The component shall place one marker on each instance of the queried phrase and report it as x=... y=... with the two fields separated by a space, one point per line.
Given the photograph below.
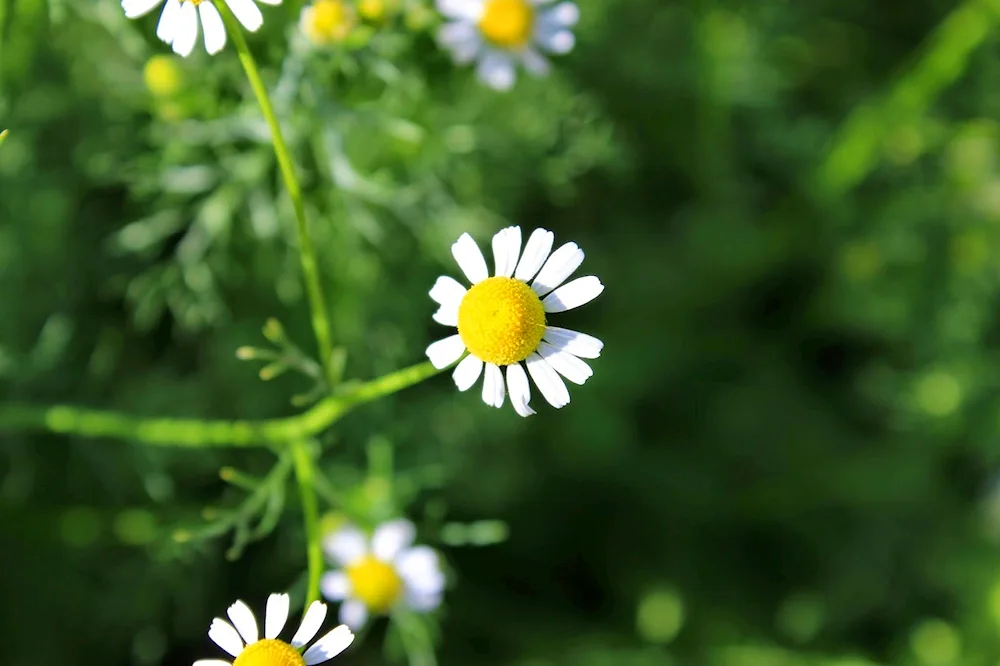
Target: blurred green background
x=786 y=455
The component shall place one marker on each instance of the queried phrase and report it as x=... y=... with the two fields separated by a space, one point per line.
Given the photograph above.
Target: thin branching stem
x=307 y=252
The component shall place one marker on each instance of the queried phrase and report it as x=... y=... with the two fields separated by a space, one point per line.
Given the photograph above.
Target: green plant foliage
x=787 y=455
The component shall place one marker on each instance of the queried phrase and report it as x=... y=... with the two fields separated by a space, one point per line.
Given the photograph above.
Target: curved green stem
x=307 y=253
x=305 y=474
x=197 y=433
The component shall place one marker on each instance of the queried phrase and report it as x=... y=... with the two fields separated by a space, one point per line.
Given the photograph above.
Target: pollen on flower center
x=507 y=23
x=269 y=652
x=501 y=320
x=375 y=583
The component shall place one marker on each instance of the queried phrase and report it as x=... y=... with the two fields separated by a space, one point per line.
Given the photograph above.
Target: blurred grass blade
x=854 y=151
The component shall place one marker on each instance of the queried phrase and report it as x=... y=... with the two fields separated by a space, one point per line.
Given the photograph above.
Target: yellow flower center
x=327 y=21
x=375 y=583
x=507 y=23
x=501 y=320
x=372 y=10
x=269 y=652
x=162 y=75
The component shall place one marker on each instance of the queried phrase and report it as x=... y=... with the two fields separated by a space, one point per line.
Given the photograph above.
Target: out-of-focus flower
x=162 y=75
x=376 y=11
x=500 y=33
x=242 y=641
x=502 y=322
x=381 y=573
x=327 y=22
x=178 y=25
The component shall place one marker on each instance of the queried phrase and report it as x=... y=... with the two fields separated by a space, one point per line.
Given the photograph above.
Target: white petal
x=447 y=315
x=273 y=3
x=244 y=621
x=462 y=39
x=565 y=14
x=467 y=372
x=390 y=538
x=560 y=266
x=329 y=646
x=565 y=364
x=225 y=636
x=423 y=602
x=506 y=250
x=136 y=8
x=470 y=10
x=346 y=546
x=520 y=392
x=186 y=32
x=573 y=294
x=445 y=352
x=574 y=342
x=559 y=41
x=447 y=290
x=548 y=381
x=535 y=62
x=311 y=623
x=535 y=253
x=275 y=615
x=335 y=585
x=353 y=613
x=215 y=30
x=247 y=13
x=420 y=570
x=167 y=27
x=496 y=70
x=470 y=259
x=212 y=662
x=493 y=386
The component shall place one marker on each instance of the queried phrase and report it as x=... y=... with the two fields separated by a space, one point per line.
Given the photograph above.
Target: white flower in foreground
x=501 y=320
x=178 y=24
x=240 y=639
x=500 y=33
x=381 y=573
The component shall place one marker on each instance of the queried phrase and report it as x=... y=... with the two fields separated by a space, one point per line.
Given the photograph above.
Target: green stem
x=855 y=149
x=305 y=475
x=307 y=253
x=196 y=433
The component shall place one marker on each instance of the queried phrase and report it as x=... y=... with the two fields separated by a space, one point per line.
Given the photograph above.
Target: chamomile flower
x=241 y=639
x=500 y=33
x=502 y=320
x=381 y=573
x=327 y=22
x=178 y=24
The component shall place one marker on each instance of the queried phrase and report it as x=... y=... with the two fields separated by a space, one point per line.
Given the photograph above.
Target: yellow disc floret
x=375 y=583
x=327 y=22
x=269 y=652
x=507 y=23
x=163 y=76
x=501 y=320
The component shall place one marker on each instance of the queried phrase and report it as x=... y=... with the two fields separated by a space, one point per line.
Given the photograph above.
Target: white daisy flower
x=501 y=320
x=178 y=24
x=381 y=573
x=241 y=640
x=500 y=33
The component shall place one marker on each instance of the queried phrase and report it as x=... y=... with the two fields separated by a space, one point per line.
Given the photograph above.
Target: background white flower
x=501 y=320
x=178 y=25
x=380 y=573
x=500 y=33
x=241 y=638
